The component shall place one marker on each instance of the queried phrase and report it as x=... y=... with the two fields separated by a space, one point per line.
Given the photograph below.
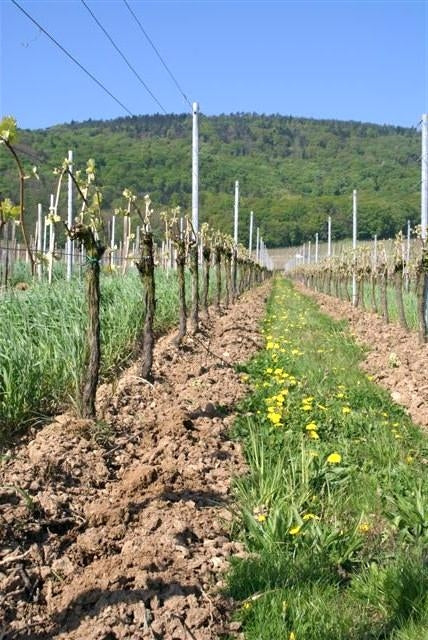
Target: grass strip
x=334 y=508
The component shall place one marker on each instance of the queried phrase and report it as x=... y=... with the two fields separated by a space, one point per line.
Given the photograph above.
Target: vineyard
x=192 y=448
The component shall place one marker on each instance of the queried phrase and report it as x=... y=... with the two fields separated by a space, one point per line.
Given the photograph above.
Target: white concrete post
x=112 y=239
x=69 y=244
x=354 y=247
x=424 y=182
x=51 y=238
x=39 y=240
x=236 y=213
x=195 y=169
x=250 y=242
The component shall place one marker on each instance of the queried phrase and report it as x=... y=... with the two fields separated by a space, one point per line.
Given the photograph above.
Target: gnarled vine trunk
x=218 y=277
x=194 y=270
x=146 y=267
x=182 y=309
x=94 y=253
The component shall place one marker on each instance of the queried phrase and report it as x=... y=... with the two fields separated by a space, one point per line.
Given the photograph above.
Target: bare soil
x=120 y=529
x=394 y=357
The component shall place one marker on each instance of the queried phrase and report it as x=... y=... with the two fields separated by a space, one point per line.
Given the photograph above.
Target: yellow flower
x=409 y=459
x=269 y=345
x=313 y=435
x=275 y=418
x=246 y=605
x=346 y=410
x=261 y=517
x=309 y=516
x=340 y=394
x=364 y=527
x=295 y=530
x=312 y=426
x=334 y=458
x=292 y=636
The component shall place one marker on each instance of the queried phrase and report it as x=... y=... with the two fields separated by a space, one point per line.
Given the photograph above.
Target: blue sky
x=347 y=60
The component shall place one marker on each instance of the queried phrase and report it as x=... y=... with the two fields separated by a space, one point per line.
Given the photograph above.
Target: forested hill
x=293 y=172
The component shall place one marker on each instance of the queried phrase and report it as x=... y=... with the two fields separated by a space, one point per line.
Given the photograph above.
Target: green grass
x=336 y=525
x=43 y=332
x=42 y=341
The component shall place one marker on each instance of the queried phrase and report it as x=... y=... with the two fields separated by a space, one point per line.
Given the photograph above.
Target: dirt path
x=395 y=358
x=129 y=539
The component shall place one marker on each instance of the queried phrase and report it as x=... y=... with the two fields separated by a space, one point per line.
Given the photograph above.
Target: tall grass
x=42 y=341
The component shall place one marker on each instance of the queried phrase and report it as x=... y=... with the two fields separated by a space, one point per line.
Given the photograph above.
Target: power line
x=123 y=56
x=173 y=78
x=69 y=55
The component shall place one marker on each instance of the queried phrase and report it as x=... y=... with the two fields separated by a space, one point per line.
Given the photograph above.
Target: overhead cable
x=69 y=55
x=155 y=49
x=124 y=58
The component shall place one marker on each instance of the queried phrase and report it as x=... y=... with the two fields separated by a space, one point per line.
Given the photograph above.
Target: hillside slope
x=293 y=172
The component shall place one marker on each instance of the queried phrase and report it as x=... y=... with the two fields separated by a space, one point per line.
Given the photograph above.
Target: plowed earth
x=120 y=529
x=394 y=358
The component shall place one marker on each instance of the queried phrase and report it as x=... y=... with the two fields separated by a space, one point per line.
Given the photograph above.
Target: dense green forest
x=293 y=172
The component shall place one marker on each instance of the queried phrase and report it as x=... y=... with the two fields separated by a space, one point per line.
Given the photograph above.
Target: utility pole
x=250 y=243
x=424 y=182
x=329 y=237
x=316 y=248
x=195 y=170
x=69 y=245
x=354 y=247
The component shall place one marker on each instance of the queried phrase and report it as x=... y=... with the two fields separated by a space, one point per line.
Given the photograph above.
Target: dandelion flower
x=334 y=458
x=309 y=516
x=364 y=527
x=312 y=426
x=275 y=418
x=261 y=517
x=346 y=410
x=295 y=530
